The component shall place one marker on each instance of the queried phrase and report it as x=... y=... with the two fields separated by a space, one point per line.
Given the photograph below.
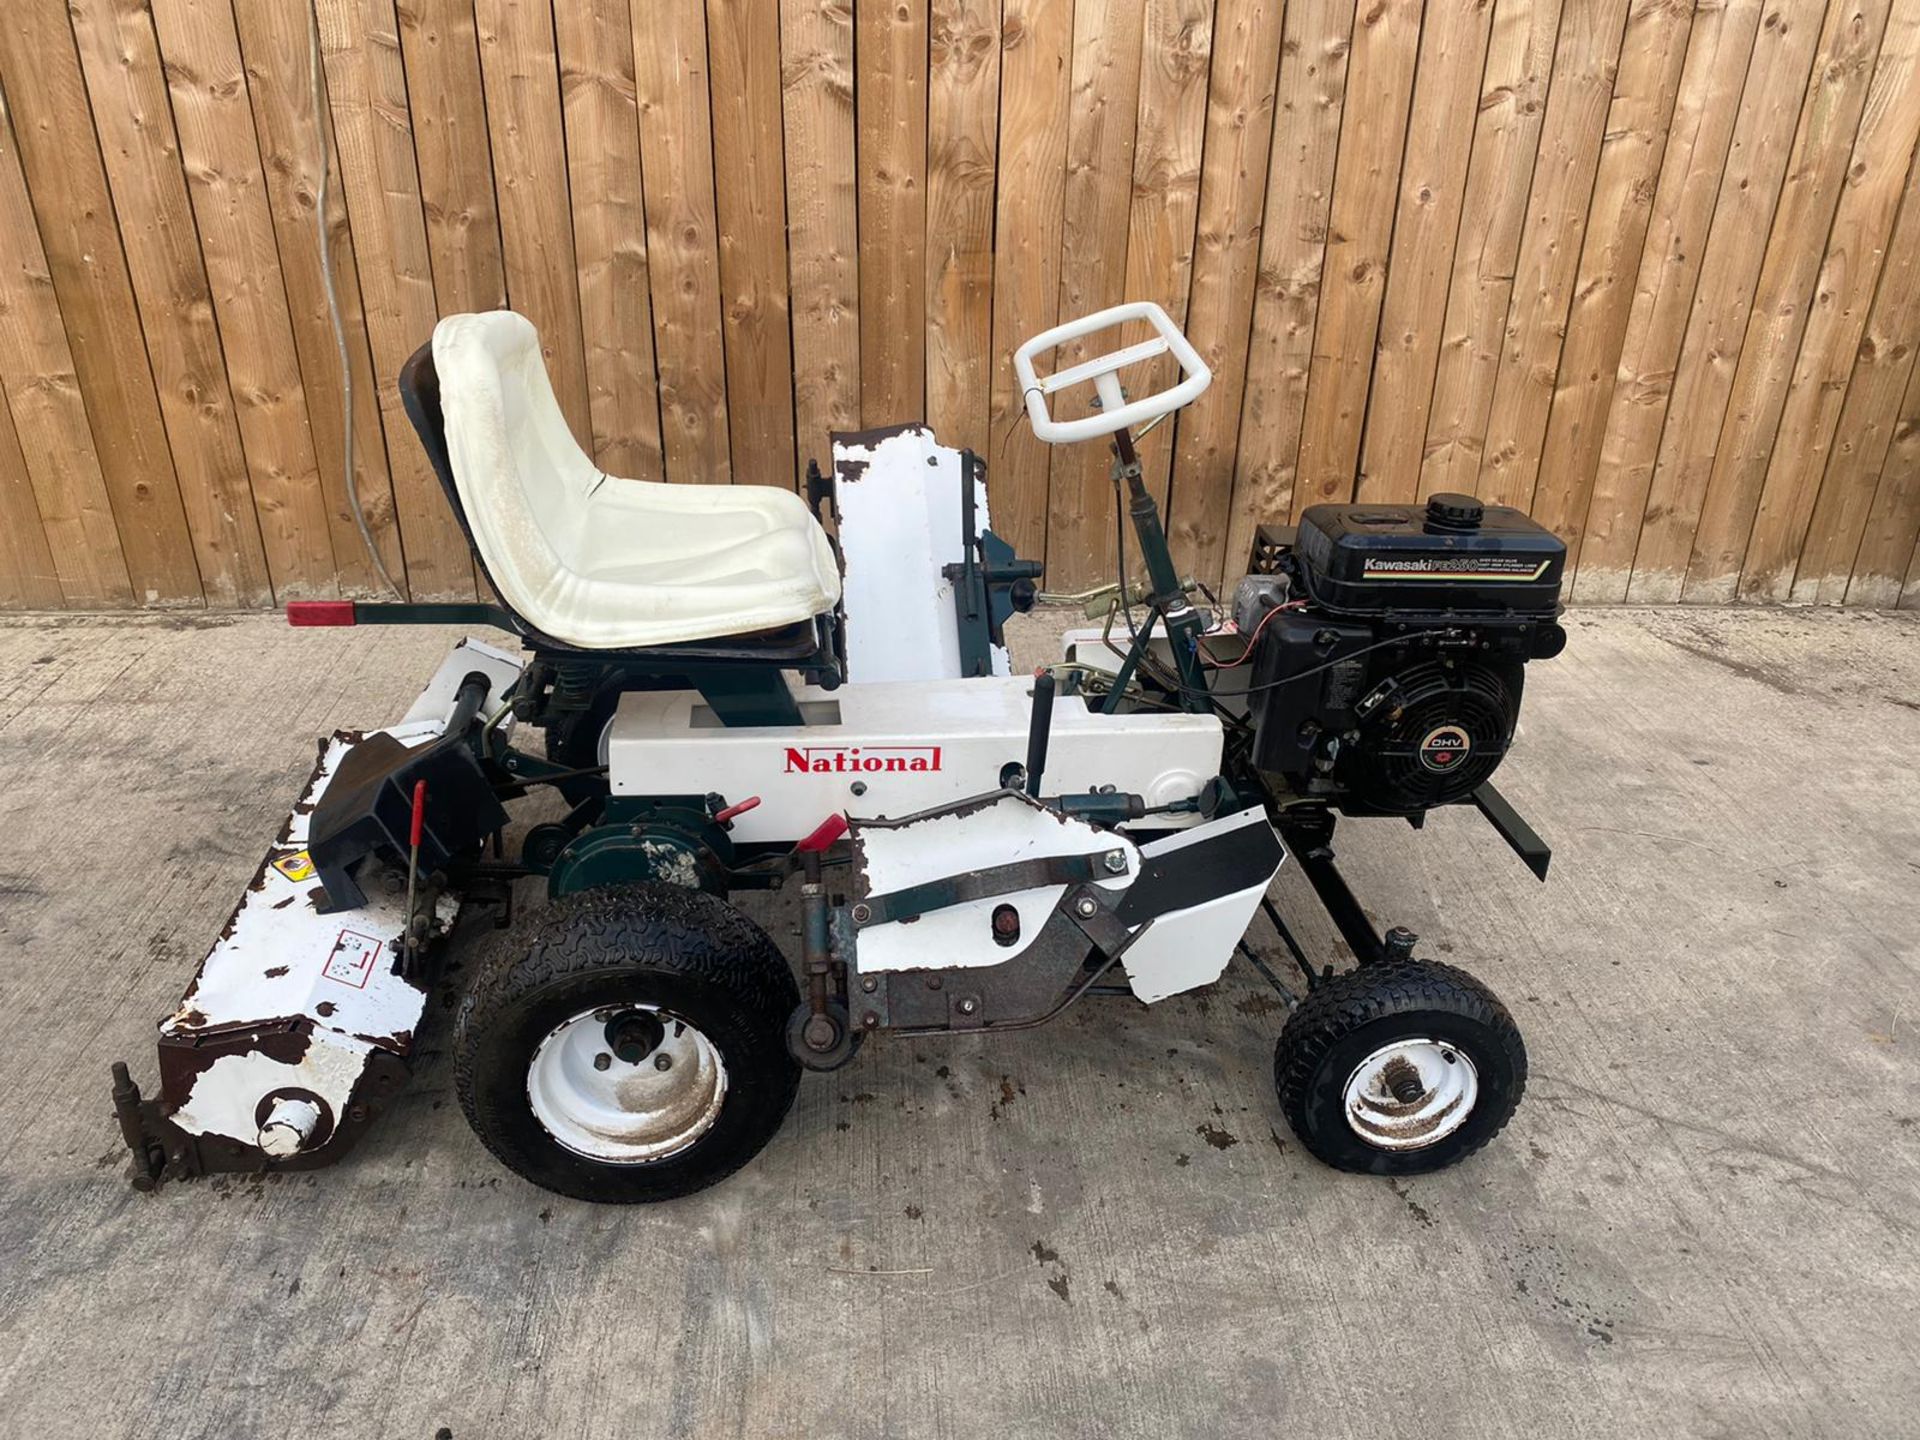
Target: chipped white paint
x=908 y=746
x=289 y=1126
x=227 y=1094
x=280 y=959
x=1177 y=951
x=1004 y=832
x=900 y=508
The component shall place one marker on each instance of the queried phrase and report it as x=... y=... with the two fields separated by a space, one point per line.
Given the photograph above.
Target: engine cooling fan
x=1431 y=734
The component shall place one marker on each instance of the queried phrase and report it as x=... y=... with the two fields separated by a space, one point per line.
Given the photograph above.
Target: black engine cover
x=1452 y=554
x=1391 y=683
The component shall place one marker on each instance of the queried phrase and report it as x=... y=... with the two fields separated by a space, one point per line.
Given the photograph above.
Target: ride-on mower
x=733 y=700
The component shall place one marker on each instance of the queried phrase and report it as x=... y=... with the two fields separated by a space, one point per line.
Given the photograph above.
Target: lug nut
x=663 y=1061
x=602 y=1060
x=869 y=984
x=1116 y=862
x=1086 y=909
x=969 y=1005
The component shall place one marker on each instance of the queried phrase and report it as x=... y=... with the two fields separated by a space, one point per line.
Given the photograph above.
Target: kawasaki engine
x=1390 y=647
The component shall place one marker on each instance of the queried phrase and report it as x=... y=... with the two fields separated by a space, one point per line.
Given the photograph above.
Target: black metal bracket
x=984 y=884
x=1534 y=852
x=1080 y=943
x=989 y=584
x=1308 y=832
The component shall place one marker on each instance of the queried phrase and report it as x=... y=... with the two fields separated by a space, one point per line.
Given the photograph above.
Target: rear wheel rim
x=1411 y=1094
x=619 y=1111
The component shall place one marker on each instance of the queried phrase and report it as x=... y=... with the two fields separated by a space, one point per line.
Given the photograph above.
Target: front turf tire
x=1370 y=1023
x=649 y=950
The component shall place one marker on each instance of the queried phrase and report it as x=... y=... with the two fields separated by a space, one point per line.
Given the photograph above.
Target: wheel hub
x=627 y=1086
x=1411 y=1094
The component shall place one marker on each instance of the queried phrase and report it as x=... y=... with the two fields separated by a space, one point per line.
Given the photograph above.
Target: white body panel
x=1191 y=947
x=1178 y=950
x=908 y=746
x=1003 y=833
x=279 y=959
x=900 y=507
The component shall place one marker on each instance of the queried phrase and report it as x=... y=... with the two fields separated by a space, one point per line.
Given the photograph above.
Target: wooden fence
x=1650 y=268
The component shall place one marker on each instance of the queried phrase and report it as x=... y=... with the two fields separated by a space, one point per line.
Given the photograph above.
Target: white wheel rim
x=1382 y=1108
x=621 y=1112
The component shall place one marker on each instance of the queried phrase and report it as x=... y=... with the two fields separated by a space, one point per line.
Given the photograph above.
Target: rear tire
x=636 y=1052
x=1399 y=1068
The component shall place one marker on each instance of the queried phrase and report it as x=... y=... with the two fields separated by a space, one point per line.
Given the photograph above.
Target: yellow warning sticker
x=297 y=866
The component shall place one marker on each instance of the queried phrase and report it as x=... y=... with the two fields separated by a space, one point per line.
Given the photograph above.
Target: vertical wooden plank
x=122 y=66
x=610 y=233
x=444 y=96
x=1736 y=246
x=1842 y=297
x=274 y=46
x=522 y=72
x=1093 y=269
x=1170 y=131
x=1245 y=74
x=823 y=240
x=1853 y=490
x=1035 y=86
x=1908 y=444
x=59 y=156
x=1585 y=59
x=743 y=46
x=27 y=578
x=1875 y=453
x=1653 y=54
x=1783 y=296
x=890 y=58
x=226 y=182
x=1433 y=177
x=1386 y=43
x=443 y=102
x=1719 y=49
x=1293 y=242
x=63 y=546
x=963 y=136
x=683 y=257
x=1506 y=136
x=366 y=88
x=1883 y=572
x=1892 y=518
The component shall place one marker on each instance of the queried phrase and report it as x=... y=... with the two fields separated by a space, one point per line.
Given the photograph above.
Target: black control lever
x=1039 y=728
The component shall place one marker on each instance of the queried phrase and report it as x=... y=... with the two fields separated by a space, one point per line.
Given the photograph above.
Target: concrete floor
x=1703 y=1220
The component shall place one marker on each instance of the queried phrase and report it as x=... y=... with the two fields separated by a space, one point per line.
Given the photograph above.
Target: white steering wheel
x=1116 y=412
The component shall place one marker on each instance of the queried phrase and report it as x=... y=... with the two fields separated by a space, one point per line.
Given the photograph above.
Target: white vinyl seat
x=591 y=559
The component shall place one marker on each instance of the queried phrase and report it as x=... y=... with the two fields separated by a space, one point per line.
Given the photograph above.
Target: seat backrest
x=520 y=477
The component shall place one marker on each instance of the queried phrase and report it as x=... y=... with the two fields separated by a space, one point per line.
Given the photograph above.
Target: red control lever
x=721 y=817
x=828 y=831
x=419 y=816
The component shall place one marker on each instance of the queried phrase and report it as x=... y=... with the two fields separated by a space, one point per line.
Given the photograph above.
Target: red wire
x=1251 y=639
